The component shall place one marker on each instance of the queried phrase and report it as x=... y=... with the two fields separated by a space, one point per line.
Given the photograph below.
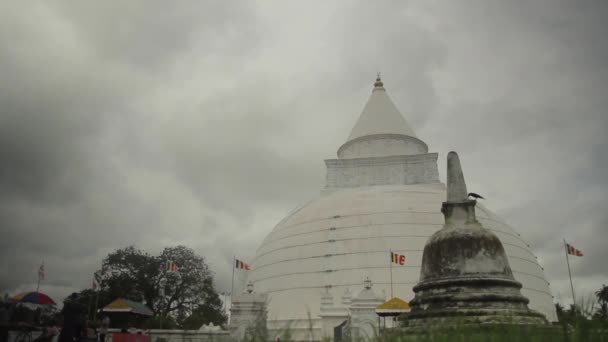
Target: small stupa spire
x=458 y=209
x=457 y=188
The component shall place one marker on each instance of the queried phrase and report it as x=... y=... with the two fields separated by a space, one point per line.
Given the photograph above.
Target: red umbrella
x=34 y=297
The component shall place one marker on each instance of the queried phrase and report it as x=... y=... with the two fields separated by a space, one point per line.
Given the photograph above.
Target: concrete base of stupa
x=472 y=300
x=477 y=318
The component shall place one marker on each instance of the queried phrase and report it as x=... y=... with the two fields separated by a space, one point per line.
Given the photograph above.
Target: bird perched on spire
x=475 y=196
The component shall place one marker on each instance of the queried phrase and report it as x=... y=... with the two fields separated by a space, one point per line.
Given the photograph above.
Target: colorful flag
x=241 y=265
x=172 y=266
x=573 y=251
x=41 y=273
x=398 y=259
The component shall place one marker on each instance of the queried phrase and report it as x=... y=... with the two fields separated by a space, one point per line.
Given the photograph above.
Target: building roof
x=380 y=116
x=125 y=305
x=393 y=307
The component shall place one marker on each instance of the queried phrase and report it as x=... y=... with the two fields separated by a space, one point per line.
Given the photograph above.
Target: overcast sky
x=204 y=123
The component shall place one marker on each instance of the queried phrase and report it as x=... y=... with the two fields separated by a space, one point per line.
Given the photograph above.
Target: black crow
x=474 y=195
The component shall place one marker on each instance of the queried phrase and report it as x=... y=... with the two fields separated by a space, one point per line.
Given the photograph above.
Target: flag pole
x=162 y=283
x=39 y=270
x=391 y=271
x=232 y=283
x=89 y=308
x=232 y=287
x=569 y=273
x=96 y=303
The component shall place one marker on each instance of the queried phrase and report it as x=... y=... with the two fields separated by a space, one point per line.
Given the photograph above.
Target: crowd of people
x=69 y=325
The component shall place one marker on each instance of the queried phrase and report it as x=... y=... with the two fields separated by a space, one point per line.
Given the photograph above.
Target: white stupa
x=382 y=193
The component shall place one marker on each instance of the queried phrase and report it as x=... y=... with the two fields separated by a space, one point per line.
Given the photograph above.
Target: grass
x=473 y=334
x=582 y=331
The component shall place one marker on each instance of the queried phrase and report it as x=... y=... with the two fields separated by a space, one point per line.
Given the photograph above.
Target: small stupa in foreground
x=465 y=275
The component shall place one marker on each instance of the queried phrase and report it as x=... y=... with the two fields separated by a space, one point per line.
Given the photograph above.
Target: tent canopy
x=125 y=305
x=393 y=307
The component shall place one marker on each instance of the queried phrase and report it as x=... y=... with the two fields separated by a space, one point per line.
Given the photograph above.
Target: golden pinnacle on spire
x=378 y=83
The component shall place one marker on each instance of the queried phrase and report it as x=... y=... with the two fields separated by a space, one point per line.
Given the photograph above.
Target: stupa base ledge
x=454 y=318
x=469 y=281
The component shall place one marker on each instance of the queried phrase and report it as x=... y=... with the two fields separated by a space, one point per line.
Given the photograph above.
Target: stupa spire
x=457 y=188
x=378 y=85
x=380 y=116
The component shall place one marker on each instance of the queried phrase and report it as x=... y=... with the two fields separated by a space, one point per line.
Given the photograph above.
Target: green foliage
x=582 y=331
x=602 y=311
x=602 y=294
x=186 y=299
x=259 y=333
x=132 y=274
x=86 y=299
x=602 y=298
x=168 y=322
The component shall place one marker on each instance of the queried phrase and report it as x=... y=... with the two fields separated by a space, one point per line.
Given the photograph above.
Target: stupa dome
x=373 y=203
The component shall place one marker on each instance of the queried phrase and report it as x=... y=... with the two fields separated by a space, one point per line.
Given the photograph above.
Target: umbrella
x=34 y=298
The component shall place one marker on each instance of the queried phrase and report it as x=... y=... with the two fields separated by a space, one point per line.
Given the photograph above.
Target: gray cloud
x=204 y=124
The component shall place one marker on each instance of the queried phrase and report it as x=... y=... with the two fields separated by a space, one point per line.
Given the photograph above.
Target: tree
x=191 y=289
x=208 y=312
x=602 y=299
x=86 y=299
x=561 y=312
x=568 y=316
x=187 y=297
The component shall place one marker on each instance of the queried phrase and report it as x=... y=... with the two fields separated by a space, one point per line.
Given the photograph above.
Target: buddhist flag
x=241 y=265
x=398 y=259
x=573 y=251
x=172 y=266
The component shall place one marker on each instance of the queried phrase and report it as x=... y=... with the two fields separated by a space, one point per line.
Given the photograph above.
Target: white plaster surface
x=380 y=116
x=341 y=238
x=382 y=145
